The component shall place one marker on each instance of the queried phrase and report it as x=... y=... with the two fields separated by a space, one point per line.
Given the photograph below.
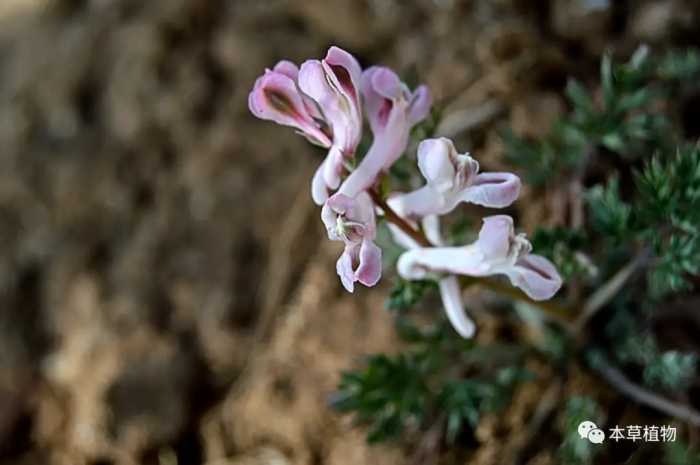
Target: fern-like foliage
x=441 y=378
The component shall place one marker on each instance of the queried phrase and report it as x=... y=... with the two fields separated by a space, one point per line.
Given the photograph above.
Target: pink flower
x=453 y=178
x=353 y=222
x=322 y=101
x=392 y=111
x=497 y=251
x=389 y=102
x=334 y=83
x=276 y=97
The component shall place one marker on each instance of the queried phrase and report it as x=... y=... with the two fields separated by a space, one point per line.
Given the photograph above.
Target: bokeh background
x=166 y=295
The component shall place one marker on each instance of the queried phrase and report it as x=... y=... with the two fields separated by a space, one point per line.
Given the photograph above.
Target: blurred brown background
x=166 y=295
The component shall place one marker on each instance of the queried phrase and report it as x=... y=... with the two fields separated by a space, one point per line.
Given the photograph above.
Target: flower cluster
x=325 y=101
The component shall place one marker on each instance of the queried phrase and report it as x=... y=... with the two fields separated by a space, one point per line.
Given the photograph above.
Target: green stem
x=393 y=217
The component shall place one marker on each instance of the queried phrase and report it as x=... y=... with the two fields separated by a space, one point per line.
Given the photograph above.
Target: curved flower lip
x=377 y=105
x=497 y=251
x=287 y=68
x=386 y=83
x=346 y=71
x=537 y=277
x=369 y=270
x=533 y=274
x=451 y=295
x=452 y=178
x=334 y=84
x=360 y=263
x=420 y=104
x=493 y=190
x=275 y=97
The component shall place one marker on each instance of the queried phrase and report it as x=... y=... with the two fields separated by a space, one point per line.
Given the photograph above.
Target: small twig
x=469 y=118
x=610 y=289
x=428 y=449
x=577 y=217
x=618 y=380
x=548 y=403
x=280 y=262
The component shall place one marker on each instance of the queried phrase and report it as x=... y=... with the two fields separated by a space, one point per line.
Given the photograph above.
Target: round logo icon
x=596 y=436
x=589 y=430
